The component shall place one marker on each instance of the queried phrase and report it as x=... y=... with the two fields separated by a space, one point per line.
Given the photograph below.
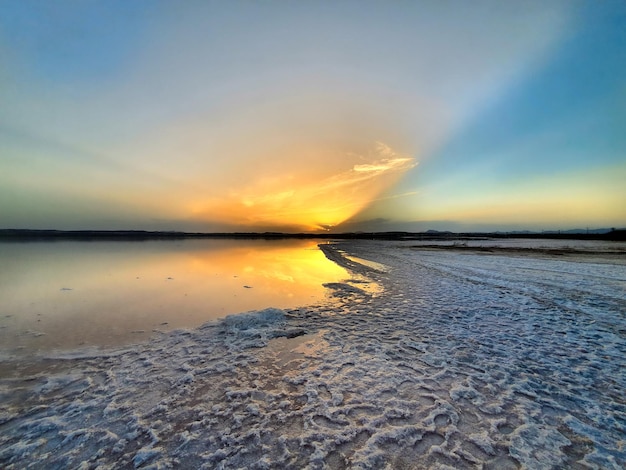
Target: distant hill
x=576 y=231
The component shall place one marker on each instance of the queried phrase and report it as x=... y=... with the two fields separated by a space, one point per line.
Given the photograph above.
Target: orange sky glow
x=308 y=204
x=312 y=116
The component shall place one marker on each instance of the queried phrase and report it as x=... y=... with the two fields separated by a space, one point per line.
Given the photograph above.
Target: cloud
x=309 y=204
x=383 y=165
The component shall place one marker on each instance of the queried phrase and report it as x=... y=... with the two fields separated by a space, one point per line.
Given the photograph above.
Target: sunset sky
x=312 y=115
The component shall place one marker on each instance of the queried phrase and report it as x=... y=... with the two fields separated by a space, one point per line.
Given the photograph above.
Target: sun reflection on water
x=64 y=295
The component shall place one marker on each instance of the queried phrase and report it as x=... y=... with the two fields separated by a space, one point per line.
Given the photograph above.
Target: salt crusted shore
x=464 y=360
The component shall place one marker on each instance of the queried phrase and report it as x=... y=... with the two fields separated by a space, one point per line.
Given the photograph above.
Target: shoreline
x=28 y=235
x=462 y=362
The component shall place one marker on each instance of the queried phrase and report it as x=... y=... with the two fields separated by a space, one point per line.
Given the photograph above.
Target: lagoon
x=68 y=294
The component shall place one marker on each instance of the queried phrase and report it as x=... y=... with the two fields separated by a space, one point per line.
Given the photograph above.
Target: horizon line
x=132 y=234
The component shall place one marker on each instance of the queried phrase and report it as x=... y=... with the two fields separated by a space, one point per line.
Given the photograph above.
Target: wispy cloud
x=383 y=165
x=315 y=203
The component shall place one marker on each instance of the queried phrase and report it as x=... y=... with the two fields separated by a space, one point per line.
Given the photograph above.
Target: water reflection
x=69 y=294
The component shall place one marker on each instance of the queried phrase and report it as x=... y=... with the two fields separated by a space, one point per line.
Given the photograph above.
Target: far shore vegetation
x=139 y=235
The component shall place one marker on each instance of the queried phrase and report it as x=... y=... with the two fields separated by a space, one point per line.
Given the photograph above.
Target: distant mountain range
x=580 y=230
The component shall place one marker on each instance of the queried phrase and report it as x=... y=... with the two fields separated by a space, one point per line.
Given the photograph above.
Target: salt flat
x=443 y=359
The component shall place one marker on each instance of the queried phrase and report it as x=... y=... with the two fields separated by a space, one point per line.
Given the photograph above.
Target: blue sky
x=312 y=115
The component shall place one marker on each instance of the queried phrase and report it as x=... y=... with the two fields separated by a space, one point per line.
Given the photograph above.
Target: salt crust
x=465 y=361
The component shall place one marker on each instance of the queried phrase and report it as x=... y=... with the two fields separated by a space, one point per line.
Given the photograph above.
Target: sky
x=313 y=115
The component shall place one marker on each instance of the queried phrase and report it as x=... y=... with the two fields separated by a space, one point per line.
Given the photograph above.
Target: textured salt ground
x=464 y=361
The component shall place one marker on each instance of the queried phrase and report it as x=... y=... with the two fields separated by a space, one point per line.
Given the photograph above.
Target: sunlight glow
x=247 y=116
x=309 y=204
x=152 y=285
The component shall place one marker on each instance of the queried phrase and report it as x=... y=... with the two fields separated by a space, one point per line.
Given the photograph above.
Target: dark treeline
x=141 y=235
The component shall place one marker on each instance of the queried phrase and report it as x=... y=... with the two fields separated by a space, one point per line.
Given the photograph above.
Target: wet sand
x=615 y=255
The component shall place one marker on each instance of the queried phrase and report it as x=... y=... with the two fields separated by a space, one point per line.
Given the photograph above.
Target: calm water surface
x=71 y=294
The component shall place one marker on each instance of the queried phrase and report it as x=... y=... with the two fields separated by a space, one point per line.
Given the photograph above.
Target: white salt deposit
x=464 y=361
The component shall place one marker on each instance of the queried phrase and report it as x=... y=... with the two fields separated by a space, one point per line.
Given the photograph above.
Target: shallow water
x=68 y=294
x=465 y=361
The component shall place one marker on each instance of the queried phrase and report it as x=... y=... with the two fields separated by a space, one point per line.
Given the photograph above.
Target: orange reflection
x=83 y=294
x=274 y=271
x=305 y=203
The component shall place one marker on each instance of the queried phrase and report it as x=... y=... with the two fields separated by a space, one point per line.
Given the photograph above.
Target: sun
x=309 y=204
